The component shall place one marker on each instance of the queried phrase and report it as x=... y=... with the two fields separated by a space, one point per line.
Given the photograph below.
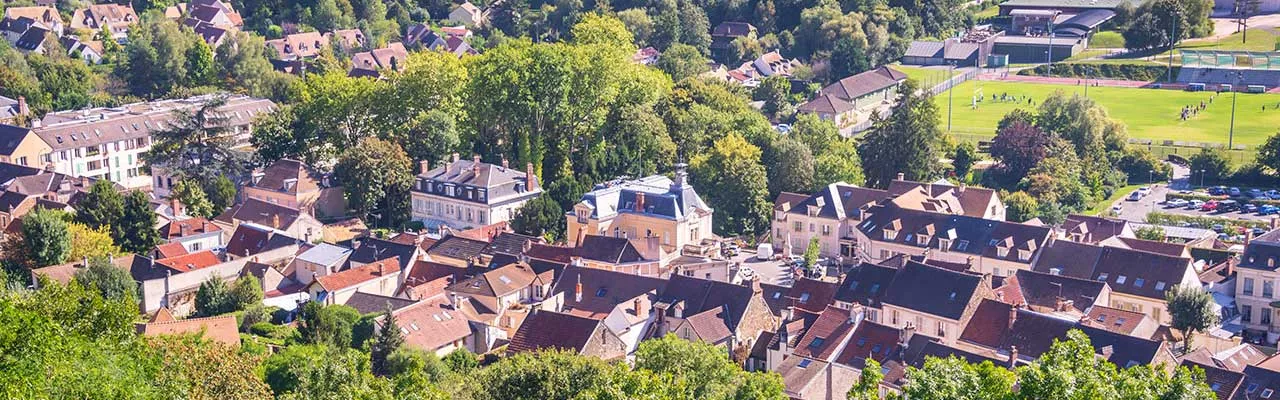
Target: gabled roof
x=838 y=200
x=608 y=249
x=1124 y=322
x=552 y=330
x=879 y=342
x=367 y=303
x=709 y=326
x=1033 y=333
x=1128 y=271
x=431 y=324
x=1094 y=229
x=1258 y=380
x=497 y=282
x=249 y=239
x=457 y=247
x=602 y=290
x=326 y=254
x=663 y=198
x=966 y=234
x=287 y=176
x=696 y=295
x=811 y=294
x=262 y=213
x=865 y=284
x=222 y=329
x=733 y=28
x=865 y=83
x=934 y=290
x=372 y=249
x=1042 y=292
x=187 y=227
x=972 y=201
x=510 y=244
x=826 y=335
x=11 y=136
x=826 y=104
x=1224 y=383
x=924 y=48
x=500 y=183
x=358 y=275
x=191 y=262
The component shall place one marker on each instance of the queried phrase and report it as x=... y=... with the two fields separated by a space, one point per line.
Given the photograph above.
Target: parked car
x=1145 y=190
x=1175 y=203
x=1194 y=204
x=1249 y=208
x=1233 y=192
x=1218 y=190
x=1218 y=227
x=1226 y=206
x=1267 y=209
x=1117 y=208
x=1272 y=194
x=782 y=128
x=1255 y=193
x=1135 y=196
x=1258 y=231
x=1211 y=205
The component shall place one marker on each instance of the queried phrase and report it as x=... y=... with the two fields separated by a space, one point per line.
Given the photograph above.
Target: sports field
x=1149 y=113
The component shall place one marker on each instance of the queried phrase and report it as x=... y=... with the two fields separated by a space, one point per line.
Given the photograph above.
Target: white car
x=1117 y=208
x=1145 y=190
x=1175 y=203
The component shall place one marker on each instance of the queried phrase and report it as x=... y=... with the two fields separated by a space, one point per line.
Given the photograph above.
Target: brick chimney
x=176 y=205
x=902 y=176
x=22 y=106
x=1013 y=315
x=381 y=269
x=639 y=202
x=185 y=229
x=275 y=221
x=530 y=180
x=1013 y=356
x=1231 y=265
x=635 y=304
x=455 y=157
x=424 y=166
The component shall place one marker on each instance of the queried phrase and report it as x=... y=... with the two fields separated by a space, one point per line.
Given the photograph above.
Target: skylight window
x=1160 y=285
x=505 y=279
x=1120 y=279
x=1253 y=387
x=817 y=342
x=777 y=295
x=862 y=342
x=1266 y=393
x=1103 y=276
x=804 y=298
x=875 y=348
x=962 y=245
x=875 y=288
x=1119 y=321
x=601 y=292
x=804 y=363
x=1137 y=282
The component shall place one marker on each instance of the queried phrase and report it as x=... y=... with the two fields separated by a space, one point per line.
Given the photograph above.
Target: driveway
x=771 y=272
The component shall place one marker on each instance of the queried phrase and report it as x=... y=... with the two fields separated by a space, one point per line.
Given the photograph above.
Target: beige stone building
x=463 y=194
x=1256 y=280
x=933 y=300
x=292 y=184
x=21 y=147
x=653 y=206
x=1138 y=279
x=985 y=246
x=829 y=215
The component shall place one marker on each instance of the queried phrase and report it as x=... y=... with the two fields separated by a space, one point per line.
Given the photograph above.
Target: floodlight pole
x=1231 y=134
x=1173 y=42
x=1049 y=54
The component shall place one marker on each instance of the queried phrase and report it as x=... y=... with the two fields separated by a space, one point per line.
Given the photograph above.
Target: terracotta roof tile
x=358 y=275
x=191 y=262
x=222 y=329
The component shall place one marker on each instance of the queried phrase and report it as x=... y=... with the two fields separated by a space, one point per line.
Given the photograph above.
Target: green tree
x=246 y=292
x=868 y=385
x=638 y=23
x=197 y=144
x=221 y=192
x=848 y=59
x=1209 y=165
x=682 y=61
x=137 y=229
x=322 y=372
x=789 y=167
x=461 y=360
x=541 y=217
x=155 y=58
x=774 y=92
x=242 y=61
x=908 y=142
x=735 y=184
x=46 y=237
x=695 y=29
x=1018 y=148
x=90 y=243
x=200 y=67
x=1155 y=233
x=840 y=163
x=101 y=206
x=1269 y=153
x=695 y=370
x=386 y=198
x=1020 y=206
x=194 y=202
x=1190 y=311
x=213 y=297
x=328 y=325
x=597 y=29
x=965 y=156
x=811 y=253
x=114 y=283
x=815 y=132
x=953 y=378
x=388 y=340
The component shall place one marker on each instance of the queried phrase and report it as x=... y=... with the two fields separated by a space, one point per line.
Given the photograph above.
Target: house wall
x=929 y=324
x=1252 y=299
x=153 y=291
x=306 y=272
x=119 y=162
x=306 y=228
x=298 y=201
x=204 y=241
x=796 y=230
x=675 y=234
x=462 y=214
x=28 y=151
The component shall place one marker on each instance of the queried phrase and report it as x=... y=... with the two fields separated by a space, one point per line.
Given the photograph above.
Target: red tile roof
x=431 y=324
x=485 y=233
x=870 y=339
x=191 y=262
x=169 y=250
x=361 y=274
x=811 y=294
x=825 y=335
x=548 y=330
x=194 y=226
x=221 y=329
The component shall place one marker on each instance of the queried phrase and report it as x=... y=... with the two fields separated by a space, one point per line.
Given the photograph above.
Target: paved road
x=1137 y=210
x=771 y=272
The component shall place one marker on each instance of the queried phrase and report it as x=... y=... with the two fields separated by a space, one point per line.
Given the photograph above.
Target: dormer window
x=1024 y=255
x=944 y=244
x=890 y=234
x=922 y=240
x=1002 y=251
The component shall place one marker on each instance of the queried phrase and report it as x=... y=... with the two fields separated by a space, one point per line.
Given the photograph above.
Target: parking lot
x=1155 y=201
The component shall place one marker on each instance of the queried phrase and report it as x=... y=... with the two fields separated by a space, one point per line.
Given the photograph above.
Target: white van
x=764 y=252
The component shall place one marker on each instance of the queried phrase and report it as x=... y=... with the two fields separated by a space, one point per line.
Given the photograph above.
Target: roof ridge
x=223 y=316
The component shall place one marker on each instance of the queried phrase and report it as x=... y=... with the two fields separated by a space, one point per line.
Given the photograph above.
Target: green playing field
x=1149 y=113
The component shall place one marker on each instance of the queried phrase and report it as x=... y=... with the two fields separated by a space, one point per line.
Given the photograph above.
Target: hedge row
x=1131 y=72
x=1162 y=218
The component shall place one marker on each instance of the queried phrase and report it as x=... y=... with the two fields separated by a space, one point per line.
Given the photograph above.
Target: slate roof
x=698 y=295
x=1128 y=271
x=497 y=282
x=1258 y=380
x=973 y=201
x=11 y=136
x=1150 y=246
x=1033 y=333
x=836 y=201
x=971 y=235
x=934 y=290
x=1263 y=252
x=1094 y=229
x=500 y=183
x=733 y=28
x=865 y=284
x=325 y=254
x=372 y=249
x=32 y=38
x=865 y=83
x=1065 y=4
x=262 y=213
x=249 y=239
x=825 y=104
x=553 y=330
x=608 y=249
x=367 y=303
x=601 y=290
x=924 y=48
x=662 y=198
x=458 y=247
x=1041 y=291
x=510 y=244
x=811 y=294
x=66 y=130
x=1225 y=383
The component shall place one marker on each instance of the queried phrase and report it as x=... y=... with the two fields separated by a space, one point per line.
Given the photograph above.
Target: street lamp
x=1151 y=176
x=1050 y=52
x=1173 y=40
x=1231 y=134
x=1202 y=178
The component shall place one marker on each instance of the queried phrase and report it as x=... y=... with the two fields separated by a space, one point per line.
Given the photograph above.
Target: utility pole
x=1049 y=54
x=1173 y=41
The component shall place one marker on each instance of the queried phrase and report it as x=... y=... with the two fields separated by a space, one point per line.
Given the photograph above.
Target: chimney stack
x=505 y=164
x=1273 y=223
x=1231 y=265
x=455 y=157
x=577 y=290
x=530 y=180
x=22 y=106
x=1248 y=237
x=639 y=202
x=176 y=205
x=424 y=166
x=275 y=221
x=682 y=177
x=635 y=303
x=381 y=270
x=1013 y=315
x=962 y=188
x=902 y=176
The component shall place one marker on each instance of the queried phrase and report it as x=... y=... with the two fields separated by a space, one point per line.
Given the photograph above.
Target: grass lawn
x=1107 y=39
x=1149 y=113
x=987 y=12
x=927 y=77
x=1258 y=40
x=1087 y=54
x=1105 y=204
